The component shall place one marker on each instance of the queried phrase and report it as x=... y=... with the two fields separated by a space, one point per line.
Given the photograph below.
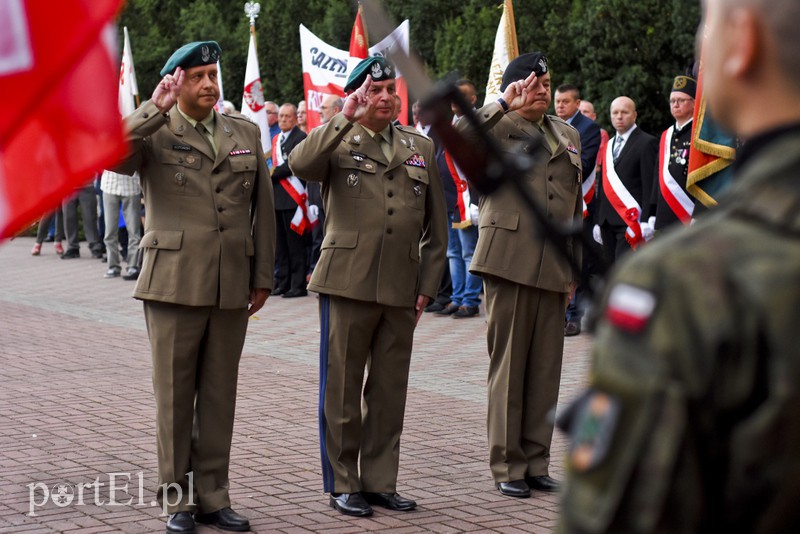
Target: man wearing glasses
x=673 y=203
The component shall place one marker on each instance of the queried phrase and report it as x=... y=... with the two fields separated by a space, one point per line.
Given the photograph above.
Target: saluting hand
x=518 y=93
x=358 y=103
x=166 y=92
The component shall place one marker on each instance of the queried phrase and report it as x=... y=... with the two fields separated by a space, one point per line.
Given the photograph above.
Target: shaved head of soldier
x=751 y=62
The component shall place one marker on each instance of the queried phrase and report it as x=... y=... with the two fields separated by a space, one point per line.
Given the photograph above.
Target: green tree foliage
x=606 y=47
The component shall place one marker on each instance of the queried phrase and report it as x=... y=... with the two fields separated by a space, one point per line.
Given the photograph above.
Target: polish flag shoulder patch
x=629 y=308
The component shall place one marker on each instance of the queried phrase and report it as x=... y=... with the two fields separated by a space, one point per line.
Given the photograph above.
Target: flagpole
x=251 y=11
x=513 y=29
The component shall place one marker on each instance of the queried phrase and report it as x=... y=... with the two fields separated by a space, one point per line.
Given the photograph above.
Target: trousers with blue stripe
x=360 y=448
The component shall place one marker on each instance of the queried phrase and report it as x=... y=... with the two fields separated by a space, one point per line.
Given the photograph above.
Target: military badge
x=369 y=166
x=571 y=148
x=592 y=429
x=417 y=160
x=246 y=184
x=180 y=179
x=417 y=190
x=184 y=148
x=352 y=180
x=241 y=152
x=629 y=308
x=190 y=160
x=411 y=144
x=356 y=139
x=226 y=129
x=376 y=71
x=358 y=156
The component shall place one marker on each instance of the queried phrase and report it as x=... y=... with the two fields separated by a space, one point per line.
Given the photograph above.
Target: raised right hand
x=358 y=103
x=166 y=92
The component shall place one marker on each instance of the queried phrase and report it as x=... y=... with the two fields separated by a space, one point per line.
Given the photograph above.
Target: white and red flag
x=128 y=88
x=58 y=64
x=253 y=103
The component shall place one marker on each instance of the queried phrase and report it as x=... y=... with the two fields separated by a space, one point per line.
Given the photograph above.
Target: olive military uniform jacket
x=511 y=244
x=386 y=221
x=210 y=224
x=692 y=422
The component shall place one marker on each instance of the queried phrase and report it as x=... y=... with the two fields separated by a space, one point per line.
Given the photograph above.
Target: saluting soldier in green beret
x=209 y=256
x=692 y=420
x=381 y=261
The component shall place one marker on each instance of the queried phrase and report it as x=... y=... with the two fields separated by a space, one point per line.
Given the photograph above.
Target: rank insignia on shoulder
x=592 y=429
x=416 y=160
x=241 y=152
x=184 y=148
x=571 y=148
x=629 y=308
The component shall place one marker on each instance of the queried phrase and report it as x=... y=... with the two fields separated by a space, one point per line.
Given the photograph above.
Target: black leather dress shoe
x=515 y=488
x=278 y=291
x=351 y=504
x=293 y=293
x=434 y=307
x=392 y=501
x=226 y=519
x=572 y=328
x=181 y=522
x=543 y=483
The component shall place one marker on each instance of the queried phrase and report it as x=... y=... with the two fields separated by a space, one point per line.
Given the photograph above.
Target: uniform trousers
x=195 y=353
x=526 y=342
x=359 y=335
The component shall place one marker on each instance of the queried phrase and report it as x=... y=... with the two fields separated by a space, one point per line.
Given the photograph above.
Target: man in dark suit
x=625 y=189
x=568 y=102
x=208 y=263
x=290 y=209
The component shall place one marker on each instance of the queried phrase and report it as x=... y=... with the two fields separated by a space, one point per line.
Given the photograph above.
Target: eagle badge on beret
x=376 y=71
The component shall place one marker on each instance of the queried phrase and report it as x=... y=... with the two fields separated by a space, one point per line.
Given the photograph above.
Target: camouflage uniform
x=692 y=419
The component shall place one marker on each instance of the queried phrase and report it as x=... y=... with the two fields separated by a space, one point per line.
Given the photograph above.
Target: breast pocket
x=243 y=170
x=352 y=174
x=416 y=187
x=180 y=167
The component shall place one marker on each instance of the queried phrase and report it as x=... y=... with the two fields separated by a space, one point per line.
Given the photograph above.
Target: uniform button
x=216 y=171
x=220 y=209
x=145 y=115
x=388 y=230
x=221 y=228
x=336 y=128
x=390 y=177
x=493 y=222
x=155 y=242
x=390 y=194
x=549 y=178
x=550 y=196
x=333 y=242
x=218 y=189
x=391 y=211
x=486 y=115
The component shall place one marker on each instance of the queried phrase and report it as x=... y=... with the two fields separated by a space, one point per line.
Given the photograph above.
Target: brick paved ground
x=76 y=404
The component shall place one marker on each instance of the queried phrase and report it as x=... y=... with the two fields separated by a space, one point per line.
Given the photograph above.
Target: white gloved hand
x=313 y=210
x=473 y=214
x=647 y=231
x=596 y=234
x=652 y=222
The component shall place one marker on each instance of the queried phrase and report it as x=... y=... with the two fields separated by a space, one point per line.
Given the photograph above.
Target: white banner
x=253 y=105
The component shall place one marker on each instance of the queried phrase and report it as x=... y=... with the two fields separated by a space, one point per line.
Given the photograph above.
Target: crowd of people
x=694 y=378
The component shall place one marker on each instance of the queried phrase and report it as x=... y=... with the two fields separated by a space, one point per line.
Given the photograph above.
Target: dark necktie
x=206 y=135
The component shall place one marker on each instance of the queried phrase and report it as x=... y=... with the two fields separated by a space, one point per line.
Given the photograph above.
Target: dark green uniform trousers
x=195 y=352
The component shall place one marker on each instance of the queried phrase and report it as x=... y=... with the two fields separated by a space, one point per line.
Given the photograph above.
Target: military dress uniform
x=691 y=420
x=209 y=238
x=527 y=283
x=385 y=241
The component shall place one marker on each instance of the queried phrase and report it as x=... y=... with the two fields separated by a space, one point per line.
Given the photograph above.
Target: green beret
x=192 y=55
x=685 y=84
x=377 y=66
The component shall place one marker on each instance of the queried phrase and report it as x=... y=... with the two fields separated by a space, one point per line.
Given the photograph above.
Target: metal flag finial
x=251 y=9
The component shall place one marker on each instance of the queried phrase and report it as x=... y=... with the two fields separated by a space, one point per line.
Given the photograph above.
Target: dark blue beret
x=192 y=55
x=377 y=66
x=522 y=66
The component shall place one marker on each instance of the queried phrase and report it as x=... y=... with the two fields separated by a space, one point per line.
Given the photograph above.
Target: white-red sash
x=303 y=220
x=677 y=199
x=588 y=190
x=462 y=193
x=621 y=199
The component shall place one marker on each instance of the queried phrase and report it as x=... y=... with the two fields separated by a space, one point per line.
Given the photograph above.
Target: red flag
x=358 y=38
x=58 y=65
